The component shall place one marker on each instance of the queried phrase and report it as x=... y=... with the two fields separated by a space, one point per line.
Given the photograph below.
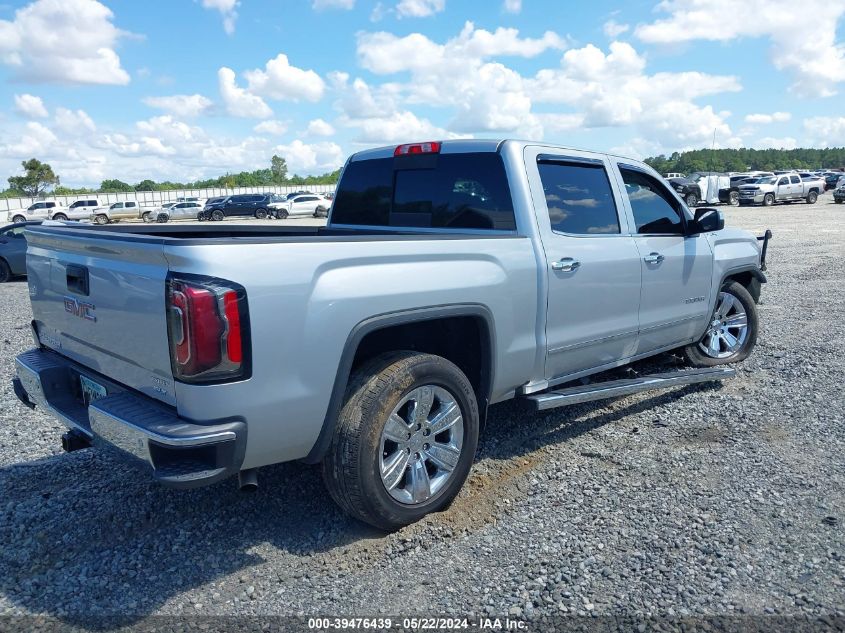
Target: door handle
x=653 y=258
x=566 y=265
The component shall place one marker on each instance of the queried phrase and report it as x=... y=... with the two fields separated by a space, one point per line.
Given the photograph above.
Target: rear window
x=449 y=191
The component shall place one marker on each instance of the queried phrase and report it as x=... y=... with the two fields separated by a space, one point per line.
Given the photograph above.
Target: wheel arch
x=432 y=330
x=750 y=277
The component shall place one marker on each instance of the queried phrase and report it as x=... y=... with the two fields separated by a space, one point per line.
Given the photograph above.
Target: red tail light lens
x=209 y=330
x=431 y=147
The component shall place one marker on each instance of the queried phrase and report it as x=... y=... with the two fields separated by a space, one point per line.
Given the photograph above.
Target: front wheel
x=404 y=441
x=282 y=214
x=163 y=218
x=217 y=215
x=768 y=199
x=812 y=197
x=731 y=332
x=734 y=198
x=101 y=219
x=5 y=272
x=59 y=217
x=691 y=199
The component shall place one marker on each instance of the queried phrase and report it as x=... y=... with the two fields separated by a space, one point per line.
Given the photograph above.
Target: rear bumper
x=182 y=453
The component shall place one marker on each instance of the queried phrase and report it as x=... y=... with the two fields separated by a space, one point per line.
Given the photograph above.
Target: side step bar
x=625 y=387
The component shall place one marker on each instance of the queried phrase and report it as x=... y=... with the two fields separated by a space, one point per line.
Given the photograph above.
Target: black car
x=839 y=195
x=13 y=250
x=831 y=179
x=687 y=189
x=255 y=205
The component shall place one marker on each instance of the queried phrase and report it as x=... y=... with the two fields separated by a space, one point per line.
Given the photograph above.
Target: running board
x=616 y=388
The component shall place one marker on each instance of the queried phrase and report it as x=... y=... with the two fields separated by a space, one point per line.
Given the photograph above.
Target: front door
x=676 y=268
x=592 y=265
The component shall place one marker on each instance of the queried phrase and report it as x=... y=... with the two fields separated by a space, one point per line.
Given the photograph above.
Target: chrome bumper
x=182 y=453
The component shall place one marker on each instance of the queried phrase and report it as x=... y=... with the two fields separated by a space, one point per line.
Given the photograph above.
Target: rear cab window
x=441 y=191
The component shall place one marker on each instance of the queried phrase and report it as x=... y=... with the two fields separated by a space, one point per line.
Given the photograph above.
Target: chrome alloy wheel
x=728 y=329
x=421 y=444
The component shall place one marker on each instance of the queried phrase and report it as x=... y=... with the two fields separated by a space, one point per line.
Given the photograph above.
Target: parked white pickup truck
x=783 y=188
x=451 y=276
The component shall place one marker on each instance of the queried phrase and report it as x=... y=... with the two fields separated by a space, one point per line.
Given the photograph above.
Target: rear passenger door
x=592 y=264
x=676 y=268
x=796 y=187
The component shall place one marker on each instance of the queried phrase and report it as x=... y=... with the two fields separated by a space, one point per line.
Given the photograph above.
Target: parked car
x=178 y=211
x=418 y=307
x=36 y=211
x=688 y=190
x=839 y=194
x=309 y=204
x=673 y=175
x=831 y=180
x=13 y=250
x=79 y=210
x=149 y=215
x=123 y=210
x=785 y=188
x=258 y=205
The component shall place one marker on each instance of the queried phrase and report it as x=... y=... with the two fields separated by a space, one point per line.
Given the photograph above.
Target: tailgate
x=98 y=298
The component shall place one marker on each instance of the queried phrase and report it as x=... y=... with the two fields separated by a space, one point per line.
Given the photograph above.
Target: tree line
x=724 y=160
x=39 y=178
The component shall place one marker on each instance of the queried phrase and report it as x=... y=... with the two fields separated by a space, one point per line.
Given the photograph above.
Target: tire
x=5 y=271
x=217 y=215
x=733 y=198
x=768 y=199
x=59 y=217
x=201 y=216
x=353 y=466
x=146 y=216
x=163 y=218
x=261 y=214
x=701 y=354
x=101 y=218
x=18 y=219
x=321 y=212
x=691 y=199
x=812 y=197
x=839 y=201
x=282 y=214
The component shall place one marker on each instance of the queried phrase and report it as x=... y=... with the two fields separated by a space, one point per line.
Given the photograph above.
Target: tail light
x=208 y=325
x=431 y=147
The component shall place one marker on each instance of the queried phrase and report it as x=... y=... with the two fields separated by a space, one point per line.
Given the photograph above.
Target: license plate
x=91 y=390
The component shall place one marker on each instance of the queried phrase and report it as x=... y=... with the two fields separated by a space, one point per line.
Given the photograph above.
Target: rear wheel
x=691 y=199
x=839 y=201
x=146 y=216
x=732 y=331
x=768 y=199
x=5 y=272
x=101 y=219
x=60 y=217
x=18 y=219
x=812 y=197
x=321 y=212
x=404 y=441
x=261 y=214
x=734 y=198
x=217 y=215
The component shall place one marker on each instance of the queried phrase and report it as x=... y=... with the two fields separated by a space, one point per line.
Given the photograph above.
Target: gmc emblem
x=80 y=309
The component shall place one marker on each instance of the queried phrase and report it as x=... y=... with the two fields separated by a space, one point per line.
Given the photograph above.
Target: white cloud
x=319 y=5
x=63 y=41
x=35 y=140
x=765 y=119
x=613 y=90
x=227 y=9
x=277 y=128
x=238 y=101
x=73 y=122
x=803 y=43
x=769 y=142
x=186 y=106
x=318 y=127
x=419 y=8
x=613 y=29
x=30 y=106
x=397 y=127
x=513 y=6
x=311 y=158
x=825 y=131
x=279 y=80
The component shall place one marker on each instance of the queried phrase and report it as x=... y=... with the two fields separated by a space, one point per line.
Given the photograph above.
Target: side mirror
x=707 y=220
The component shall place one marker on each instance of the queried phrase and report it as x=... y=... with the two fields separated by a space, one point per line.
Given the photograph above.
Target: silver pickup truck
x=784 y=188
x=451 y=276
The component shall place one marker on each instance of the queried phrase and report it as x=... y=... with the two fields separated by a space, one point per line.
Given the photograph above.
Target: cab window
x=655 y=209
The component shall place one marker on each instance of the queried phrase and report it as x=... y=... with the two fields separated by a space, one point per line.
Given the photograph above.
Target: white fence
x=153 y=198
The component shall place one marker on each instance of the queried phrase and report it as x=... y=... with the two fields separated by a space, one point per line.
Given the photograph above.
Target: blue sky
x=185 y=89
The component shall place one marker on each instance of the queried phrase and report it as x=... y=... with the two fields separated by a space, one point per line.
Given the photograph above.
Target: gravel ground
x=703 y=500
